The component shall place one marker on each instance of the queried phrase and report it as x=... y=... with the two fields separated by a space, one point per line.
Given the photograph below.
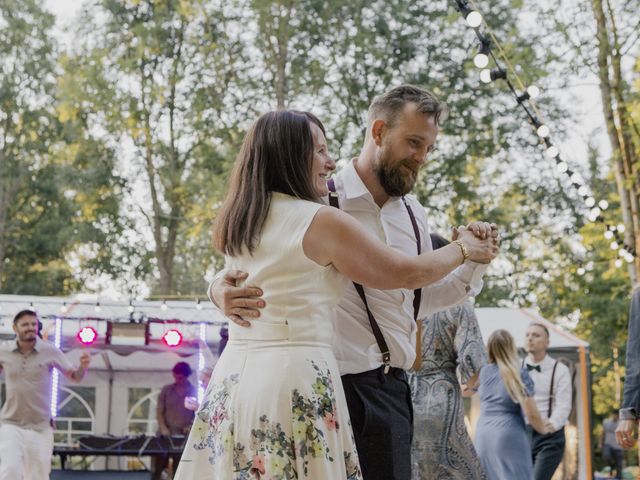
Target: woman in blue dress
x=505 y=391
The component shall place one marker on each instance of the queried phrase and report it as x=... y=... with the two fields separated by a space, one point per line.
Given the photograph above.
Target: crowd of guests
x=336 y=289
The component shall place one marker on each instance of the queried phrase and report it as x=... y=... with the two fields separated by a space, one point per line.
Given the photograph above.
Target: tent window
x=141 y=418
x=76 y=414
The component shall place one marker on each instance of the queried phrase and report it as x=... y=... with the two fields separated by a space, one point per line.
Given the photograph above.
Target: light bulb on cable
x=533 y=92
x=618 y=263
x=543 y=131
x=553 y=151
x=481 y=60
x=583 y=190
x=474 y=19
x=485 y=75
x=608 y=234
x=590 y=202
x=621 y=228
x=562 y=167
x=603 y=204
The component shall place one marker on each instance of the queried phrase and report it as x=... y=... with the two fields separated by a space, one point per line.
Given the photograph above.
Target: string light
x=97 y=307
x=164 y=305
x=131 y=308
x=534 y=92
x=481 y=60
x=474 y=19
x=55 y=374
x=543 y=131
x=553 y=151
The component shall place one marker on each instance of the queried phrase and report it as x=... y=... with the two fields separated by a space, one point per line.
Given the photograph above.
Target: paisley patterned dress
x=452 y=352
x=275 y=408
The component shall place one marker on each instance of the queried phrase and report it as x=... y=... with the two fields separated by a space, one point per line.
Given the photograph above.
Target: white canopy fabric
x=516 y=321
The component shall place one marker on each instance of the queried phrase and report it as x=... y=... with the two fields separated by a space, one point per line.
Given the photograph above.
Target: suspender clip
x=386 y=358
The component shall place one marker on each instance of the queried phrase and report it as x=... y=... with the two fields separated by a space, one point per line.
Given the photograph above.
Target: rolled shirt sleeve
x=464 y=282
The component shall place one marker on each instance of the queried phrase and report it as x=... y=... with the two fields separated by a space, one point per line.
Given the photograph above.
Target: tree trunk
x=614 y=109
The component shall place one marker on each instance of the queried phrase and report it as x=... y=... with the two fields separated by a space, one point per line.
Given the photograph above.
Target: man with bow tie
x=552 y=382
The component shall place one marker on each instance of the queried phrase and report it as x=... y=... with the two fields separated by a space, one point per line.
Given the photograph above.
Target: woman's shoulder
x=295 y=205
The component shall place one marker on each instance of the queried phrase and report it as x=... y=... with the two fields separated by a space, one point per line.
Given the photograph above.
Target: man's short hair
x=24 y=313
x=182 y=368
x=542 y=326
x=391 y=103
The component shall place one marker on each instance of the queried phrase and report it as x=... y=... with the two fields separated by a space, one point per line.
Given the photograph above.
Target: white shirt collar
x=546 y=359
x=353 y=186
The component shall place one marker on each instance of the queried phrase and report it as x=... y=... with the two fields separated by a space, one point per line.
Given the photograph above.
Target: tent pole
x=585 y=384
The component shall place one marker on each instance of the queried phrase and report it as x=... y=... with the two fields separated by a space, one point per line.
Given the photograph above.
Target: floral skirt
x=273 y=410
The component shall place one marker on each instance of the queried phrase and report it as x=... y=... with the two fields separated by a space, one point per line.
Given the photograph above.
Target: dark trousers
x=613 y=457
x=160 y=462
x=382 y=419
x=547 y=451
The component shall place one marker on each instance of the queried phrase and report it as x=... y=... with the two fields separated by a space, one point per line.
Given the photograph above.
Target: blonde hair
x=502 y=351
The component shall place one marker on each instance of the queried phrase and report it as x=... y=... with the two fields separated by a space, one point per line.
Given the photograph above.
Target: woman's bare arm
x=336 y=238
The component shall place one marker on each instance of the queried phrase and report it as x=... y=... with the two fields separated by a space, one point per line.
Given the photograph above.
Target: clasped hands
x=482 y=240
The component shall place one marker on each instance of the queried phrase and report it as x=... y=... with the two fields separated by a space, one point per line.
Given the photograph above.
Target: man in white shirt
x=402 y=128
x=552 y=382
x=26 y=433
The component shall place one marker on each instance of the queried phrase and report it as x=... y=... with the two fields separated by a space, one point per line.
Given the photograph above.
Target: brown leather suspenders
x=375 y=328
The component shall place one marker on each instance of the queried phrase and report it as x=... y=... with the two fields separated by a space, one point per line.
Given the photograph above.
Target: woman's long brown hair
x=276 y=156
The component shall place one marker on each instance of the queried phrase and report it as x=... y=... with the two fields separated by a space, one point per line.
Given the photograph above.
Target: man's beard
x=394 y=180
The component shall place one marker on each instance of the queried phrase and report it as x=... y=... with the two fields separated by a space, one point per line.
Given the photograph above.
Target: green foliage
x=54 y=199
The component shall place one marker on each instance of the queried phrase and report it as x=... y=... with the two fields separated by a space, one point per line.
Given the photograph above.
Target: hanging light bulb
x=485 y=75
x=481 y=60
x=63 y=308
x=618 y=263
x=553 y=151
x=198 y=305
x=629 y=258
x=164 y=305
x=473 y=19
x=614 y=245
x=131 y=308
x=621 y=228
x=590 y=202
x=533 y=92
x=543 y=131
x=580 y=271
x=595 y=212
x=97 y=308
x=608 y=234
x=562 y=167
x=603 y=204
x=576 y=177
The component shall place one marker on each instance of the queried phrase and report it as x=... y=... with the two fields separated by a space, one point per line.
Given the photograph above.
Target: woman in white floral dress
x=275 y=407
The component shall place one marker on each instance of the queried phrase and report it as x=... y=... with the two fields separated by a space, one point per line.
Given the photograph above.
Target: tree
x=157 y=78
x=54 y=202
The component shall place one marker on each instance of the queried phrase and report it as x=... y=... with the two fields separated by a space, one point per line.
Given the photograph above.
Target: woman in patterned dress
x=275 y=407
x=452 y=354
